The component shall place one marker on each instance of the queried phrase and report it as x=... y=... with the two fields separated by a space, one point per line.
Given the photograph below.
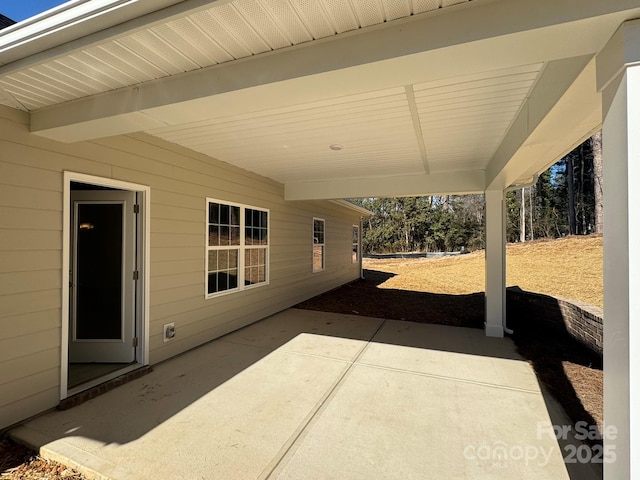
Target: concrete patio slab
x=314 y=395
x=330 y=335
x=465 y=354
x=416 y=423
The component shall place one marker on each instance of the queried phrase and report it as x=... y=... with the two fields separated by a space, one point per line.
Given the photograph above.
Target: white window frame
x=315 y=242
x=242 y=248
x=355 y=244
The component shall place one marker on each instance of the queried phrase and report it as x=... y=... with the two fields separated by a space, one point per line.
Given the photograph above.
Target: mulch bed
x=363 y=297
x=20 y=463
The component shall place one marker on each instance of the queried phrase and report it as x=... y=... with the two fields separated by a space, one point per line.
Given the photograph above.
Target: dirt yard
x=449 y=291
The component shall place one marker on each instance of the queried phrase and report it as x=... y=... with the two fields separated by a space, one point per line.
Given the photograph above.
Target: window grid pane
x=318 y=231
x=318 y=245
x=318 y=257
x=224 y=225
x=225 y=228
x=356 y=244
x=255 y=266
x=223 y=270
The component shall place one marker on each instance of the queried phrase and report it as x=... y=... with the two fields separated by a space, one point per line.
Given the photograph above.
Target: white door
x=102 y=285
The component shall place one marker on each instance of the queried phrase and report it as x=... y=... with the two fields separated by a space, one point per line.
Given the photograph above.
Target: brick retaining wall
x=580 y=320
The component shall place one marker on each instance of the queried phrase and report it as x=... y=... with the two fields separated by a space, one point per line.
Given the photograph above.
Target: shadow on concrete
x=130 y=412
x=545 y=347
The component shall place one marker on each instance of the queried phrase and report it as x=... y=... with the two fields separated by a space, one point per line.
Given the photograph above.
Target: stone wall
x=581 y=321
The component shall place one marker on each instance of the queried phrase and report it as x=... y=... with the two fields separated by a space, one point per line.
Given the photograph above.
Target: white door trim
x=142 y=352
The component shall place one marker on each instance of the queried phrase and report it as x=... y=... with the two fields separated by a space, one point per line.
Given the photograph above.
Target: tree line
x=565 y=200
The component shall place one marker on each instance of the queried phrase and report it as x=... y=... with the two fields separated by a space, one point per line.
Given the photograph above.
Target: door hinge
x=135 y=342
x=136 y=275
x=136 y=208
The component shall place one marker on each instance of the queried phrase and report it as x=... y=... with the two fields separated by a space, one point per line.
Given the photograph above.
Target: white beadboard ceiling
x=435 y=127
x=222 y=33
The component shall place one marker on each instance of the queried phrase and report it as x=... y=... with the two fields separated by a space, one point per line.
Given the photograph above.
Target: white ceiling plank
x=520 y=72
x=314 y=18
x=79 y=78
x=258 y=17
x=174 y=34
x=285 y=16
x=421 y=6
x=118 y=63
x=368 y=12
x=394 y=9
x=341 y=14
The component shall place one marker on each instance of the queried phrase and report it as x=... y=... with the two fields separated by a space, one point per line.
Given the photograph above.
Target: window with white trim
x=318 y=245
x=237 y=247
x=355 y=241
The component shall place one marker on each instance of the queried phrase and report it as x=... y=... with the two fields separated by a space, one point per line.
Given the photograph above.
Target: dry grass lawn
x=570 y=268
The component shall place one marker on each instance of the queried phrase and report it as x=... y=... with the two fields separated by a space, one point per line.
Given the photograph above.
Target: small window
x=355 y=241
x=237 y=247
x=318 y=245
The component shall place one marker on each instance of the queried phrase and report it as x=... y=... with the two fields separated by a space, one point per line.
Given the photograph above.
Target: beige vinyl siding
x=31 y=189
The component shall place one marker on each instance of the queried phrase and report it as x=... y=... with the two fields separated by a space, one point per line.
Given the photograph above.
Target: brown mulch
x=20 y=463
x=368 y=297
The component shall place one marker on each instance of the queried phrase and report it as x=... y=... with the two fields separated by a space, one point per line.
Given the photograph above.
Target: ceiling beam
x=417 y=127
x=478 y=37
x=396 y=186
x=552 y=121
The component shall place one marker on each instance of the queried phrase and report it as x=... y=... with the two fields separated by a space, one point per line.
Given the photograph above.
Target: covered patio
x=317 y=395
x=337 y=100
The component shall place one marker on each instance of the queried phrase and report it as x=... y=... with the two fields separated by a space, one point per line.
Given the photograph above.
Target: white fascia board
x=559 y=112
x=47 y=23
x=391 y=186
x=79 y=24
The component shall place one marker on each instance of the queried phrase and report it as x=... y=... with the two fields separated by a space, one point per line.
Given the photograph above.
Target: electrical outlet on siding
x=169 y=332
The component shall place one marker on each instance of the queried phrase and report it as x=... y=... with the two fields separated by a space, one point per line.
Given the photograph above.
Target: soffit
x=224 y=32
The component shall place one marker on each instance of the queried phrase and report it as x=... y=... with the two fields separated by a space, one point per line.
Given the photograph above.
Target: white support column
x=619 y=81
x=495 y=263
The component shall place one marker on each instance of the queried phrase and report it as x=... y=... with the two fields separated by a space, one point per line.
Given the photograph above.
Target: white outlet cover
x=169 y=332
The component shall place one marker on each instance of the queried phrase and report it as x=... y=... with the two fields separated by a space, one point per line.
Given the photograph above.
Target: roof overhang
x=363 y=212
x=479 y=95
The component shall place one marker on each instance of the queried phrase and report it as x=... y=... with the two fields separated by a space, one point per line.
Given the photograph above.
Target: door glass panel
x=98 y=279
